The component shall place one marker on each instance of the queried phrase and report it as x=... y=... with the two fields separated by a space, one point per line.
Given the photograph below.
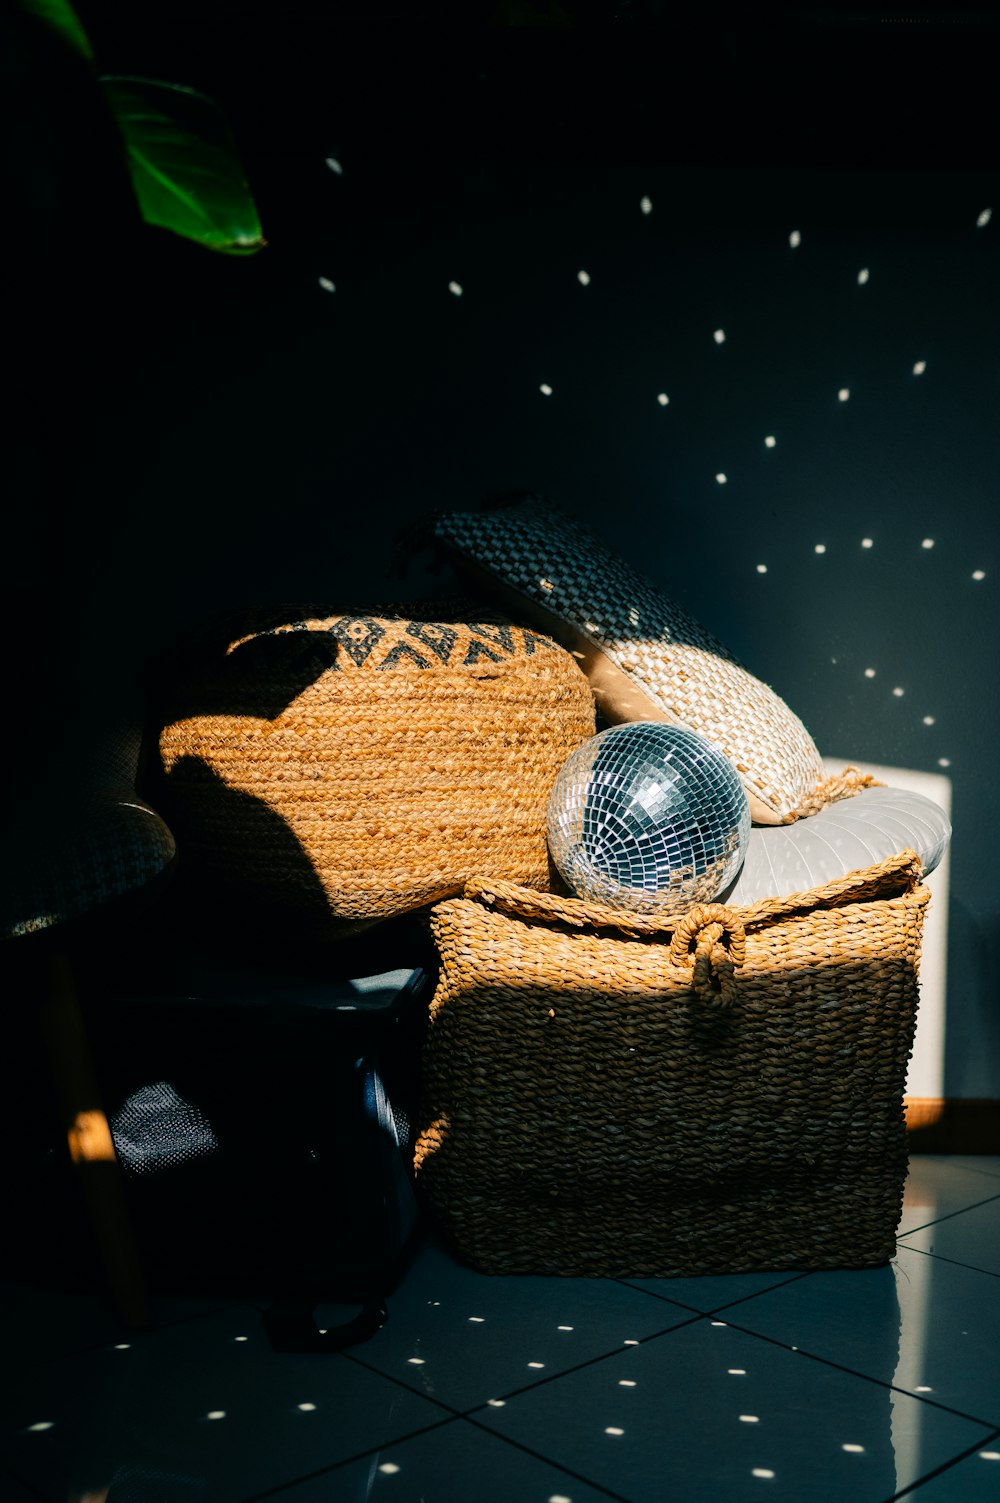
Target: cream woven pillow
x=645 y=657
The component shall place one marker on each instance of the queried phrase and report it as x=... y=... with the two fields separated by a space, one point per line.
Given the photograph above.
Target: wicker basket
x=353 y=767
x=604 y=1097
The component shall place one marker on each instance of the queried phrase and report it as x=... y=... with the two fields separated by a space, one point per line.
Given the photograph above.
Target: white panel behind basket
x=925 y=1077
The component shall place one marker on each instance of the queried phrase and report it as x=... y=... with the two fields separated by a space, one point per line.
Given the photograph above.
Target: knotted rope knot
x=711 y=939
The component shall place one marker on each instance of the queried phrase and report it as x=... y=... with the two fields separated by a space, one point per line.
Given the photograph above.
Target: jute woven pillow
x=645 y=657
x=352 y=767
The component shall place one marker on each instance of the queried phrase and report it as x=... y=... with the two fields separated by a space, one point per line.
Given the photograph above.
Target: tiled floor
x=829 y=1386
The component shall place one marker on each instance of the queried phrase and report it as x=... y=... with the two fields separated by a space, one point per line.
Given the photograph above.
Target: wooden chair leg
x=90 y=1143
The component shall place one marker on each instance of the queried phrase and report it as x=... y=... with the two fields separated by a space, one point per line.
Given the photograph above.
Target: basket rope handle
x=711 y=939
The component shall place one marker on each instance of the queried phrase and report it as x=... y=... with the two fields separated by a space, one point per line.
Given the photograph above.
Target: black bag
x=264 y=1125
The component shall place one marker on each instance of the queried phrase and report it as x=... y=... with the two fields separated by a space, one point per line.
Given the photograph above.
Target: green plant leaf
x=63 y=19
x=185 y=169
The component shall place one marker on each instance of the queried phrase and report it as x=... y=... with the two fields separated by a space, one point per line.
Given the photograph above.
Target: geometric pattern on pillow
x=645 y=657
x=843 y=837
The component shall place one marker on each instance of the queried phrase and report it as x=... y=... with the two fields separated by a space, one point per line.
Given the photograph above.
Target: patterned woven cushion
x=844 y=837
x=645 y=657
x=352 y=767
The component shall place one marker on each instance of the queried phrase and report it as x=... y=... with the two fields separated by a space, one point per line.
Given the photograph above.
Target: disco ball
x=649 y=818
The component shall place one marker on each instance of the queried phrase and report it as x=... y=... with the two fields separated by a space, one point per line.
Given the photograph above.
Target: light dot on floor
x=545 y=389
x=820 y=548
x=854 y=1450
x=762 y=1471
x=536 y=1364
x=795 y=239
x=749 y=1419
x=389 y=1468
x=241 y=1338
x=869 y=673
x=927 y=543
x=942 y=762
x=770 y=441
x=327 y=285
x=984 y=218
x=477 y=1320
x=560 y=1498
x=40 y=1425
x=719 y=336
x=899 y=693
x=979 y=573
x=497 y=1403
x=843 y=394
x=919 y=367
x=569 y=1328
x=583 y=277
x=989 y=1455
x=718 y=1322
x=626 y=1382
x=737 y=1372
x=334 y=166
x=868 y=542
x=455 y=288
x=863 y=275
x=416 y=1361
x=613 y=1430
x=928 y=720
x=663 y=399
x=216 y=1414
x=721 y=478
x=646 y=205
x=761 y=568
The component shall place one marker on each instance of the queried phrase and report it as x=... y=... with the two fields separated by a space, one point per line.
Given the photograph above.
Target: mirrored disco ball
x=648 y=817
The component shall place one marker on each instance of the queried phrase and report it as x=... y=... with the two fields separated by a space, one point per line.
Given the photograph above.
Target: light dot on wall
x=334 y=166
x=646 y=204
x=326 y=284
x=583 y=277
x=979 y=573
x=843 y=394
x=869 y=673
x=928 y=720
x=795 y=239
x=899 y=693
x=770 y=441
x=868 y=542
x=545 y=389
x=927 y=543
x=984 y=218
x=919 y=367
x=863 y=275
x=721 y=477
x=719 y=336
x=820 y=548
x=455 y=288
x=663 y=399
x=943 y=762
x=761 y=568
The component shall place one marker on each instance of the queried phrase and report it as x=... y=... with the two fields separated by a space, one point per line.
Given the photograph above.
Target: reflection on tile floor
x=817 y=1387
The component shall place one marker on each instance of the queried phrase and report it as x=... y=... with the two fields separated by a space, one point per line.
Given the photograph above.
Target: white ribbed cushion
x=843 y=837
x=645 y=657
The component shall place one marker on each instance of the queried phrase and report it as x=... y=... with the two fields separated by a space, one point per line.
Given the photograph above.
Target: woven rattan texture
x=606 y=1098
x=531 y=547
x=356 y=767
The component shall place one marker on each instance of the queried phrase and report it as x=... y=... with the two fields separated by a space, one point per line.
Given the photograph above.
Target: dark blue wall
x=257 y=436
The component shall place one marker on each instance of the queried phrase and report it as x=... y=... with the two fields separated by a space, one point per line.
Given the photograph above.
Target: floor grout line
x=946 y=1466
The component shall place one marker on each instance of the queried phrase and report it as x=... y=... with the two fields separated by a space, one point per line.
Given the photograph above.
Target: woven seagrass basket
x=604 y=1097
x=353 y=767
